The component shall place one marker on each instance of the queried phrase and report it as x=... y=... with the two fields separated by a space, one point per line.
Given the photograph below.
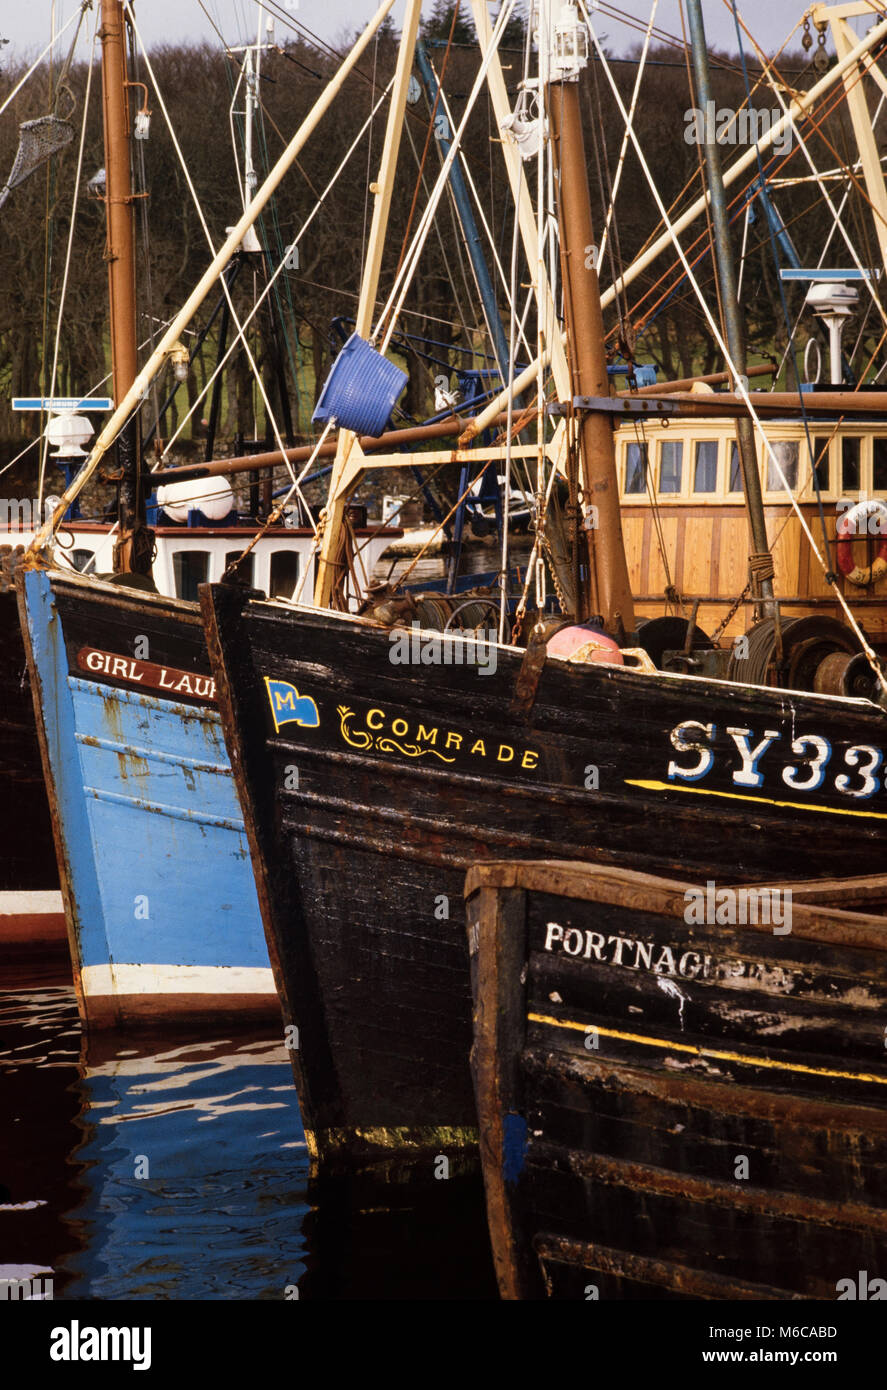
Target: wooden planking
x=380 y=819
x=633 y=527
x=656 y=578
x=696 y=572
x=572 y=1269
x=707 y=547
x=629 y=1168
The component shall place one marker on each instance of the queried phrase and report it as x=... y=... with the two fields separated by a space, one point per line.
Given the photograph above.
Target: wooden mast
x=348 y=467
x=607 y=592
x=120 y=255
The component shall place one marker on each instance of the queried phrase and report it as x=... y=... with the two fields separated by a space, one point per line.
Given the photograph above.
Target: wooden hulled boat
x=373 y=770
x=370 y=781
x=682 y=1094
x=161 y=907
x=407 y=774
x=162 y=916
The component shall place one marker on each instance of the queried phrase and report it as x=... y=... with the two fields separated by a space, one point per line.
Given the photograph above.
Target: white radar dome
x=68 y=433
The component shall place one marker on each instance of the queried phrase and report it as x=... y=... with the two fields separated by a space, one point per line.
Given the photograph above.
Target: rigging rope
x=623 y=149
x=235 y=318
x=37 y=62
x=68 y=255
x=394 y=304
x=278 y=271
x=742 y=389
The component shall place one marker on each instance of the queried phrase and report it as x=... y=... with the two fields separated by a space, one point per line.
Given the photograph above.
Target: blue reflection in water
x=190 y=1166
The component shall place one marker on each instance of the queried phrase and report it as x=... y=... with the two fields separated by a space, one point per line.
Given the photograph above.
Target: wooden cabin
x=685 y=526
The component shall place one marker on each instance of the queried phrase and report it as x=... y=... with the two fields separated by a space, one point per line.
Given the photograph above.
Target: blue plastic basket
x=361 y=389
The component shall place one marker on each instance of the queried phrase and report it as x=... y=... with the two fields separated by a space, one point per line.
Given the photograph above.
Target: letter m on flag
x=289 y=707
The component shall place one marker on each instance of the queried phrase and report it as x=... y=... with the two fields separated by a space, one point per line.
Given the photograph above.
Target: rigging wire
x=279 y=269
x=742 y=389
x=623 y=150
x=789 y=330
x=68 y=254
x=366 y=192
x=402 y=281
x=815 y=118
x=466 y=170
x=512 y=349
x=35 y=66
x=235 y=317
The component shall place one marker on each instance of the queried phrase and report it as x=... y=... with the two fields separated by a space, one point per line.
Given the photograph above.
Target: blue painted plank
x=157 y=858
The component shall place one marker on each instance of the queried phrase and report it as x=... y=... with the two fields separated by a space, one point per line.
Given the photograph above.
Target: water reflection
x=176 y=1168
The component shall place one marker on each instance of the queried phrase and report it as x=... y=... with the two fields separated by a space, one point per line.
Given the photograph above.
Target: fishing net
x=39 y=140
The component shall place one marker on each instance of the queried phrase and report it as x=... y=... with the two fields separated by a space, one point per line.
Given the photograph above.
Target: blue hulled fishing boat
x=161 y=904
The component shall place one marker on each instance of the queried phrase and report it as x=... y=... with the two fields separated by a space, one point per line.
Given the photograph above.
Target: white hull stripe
x=32 y=904
x=98 y=980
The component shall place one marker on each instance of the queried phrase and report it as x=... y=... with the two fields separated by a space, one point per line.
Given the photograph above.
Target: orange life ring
x=847 y=532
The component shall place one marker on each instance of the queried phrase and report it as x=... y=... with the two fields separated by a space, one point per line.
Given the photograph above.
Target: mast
x=347 y=469
x=761 y=560
x=607 y=591
x=470 y=232
x=169 y=340
x=120 y=252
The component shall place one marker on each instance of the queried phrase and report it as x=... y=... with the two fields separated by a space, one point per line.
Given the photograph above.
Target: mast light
x=525 y=124
x=570 y=52
x=178 y=356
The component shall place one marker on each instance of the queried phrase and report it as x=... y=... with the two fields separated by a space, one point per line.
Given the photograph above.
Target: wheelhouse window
x=284 y=573
x=671 y=454
x=879 y=463
x=243 y=565
x=81 y=558
x=705 y=467
x=850 y=463
x=821 y=464
x=636 y=468
x=735 y=468
x=190 y=568
x=785 y=453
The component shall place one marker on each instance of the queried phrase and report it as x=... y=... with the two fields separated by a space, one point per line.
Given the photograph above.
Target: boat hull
x=367 y=805
x=162 y=916
x=676 y=1103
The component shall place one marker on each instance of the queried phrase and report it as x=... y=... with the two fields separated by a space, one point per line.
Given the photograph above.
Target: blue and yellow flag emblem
x=289 y=707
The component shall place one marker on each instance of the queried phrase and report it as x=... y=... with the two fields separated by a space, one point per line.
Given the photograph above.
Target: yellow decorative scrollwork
x=360 y=738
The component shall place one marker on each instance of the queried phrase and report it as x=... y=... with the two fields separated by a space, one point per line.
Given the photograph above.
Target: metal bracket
x=527 y=683
x=619 y=405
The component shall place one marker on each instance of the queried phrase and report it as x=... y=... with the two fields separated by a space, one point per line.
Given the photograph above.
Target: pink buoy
x=584 y=643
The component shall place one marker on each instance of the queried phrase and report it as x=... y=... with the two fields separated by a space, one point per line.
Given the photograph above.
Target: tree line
x=659 y=319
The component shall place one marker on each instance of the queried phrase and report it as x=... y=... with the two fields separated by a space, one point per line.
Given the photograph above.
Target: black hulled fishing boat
x=374 y=764
x=369 y=788
x=682 y=1091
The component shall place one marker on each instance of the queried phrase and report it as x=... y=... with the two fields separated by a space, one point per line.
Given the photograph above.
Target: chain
x=561 y=596
x=722 y=626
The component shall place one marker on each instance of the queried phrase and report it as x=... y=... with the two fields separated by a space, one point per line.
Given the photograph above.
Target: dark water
x=177 y=1169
